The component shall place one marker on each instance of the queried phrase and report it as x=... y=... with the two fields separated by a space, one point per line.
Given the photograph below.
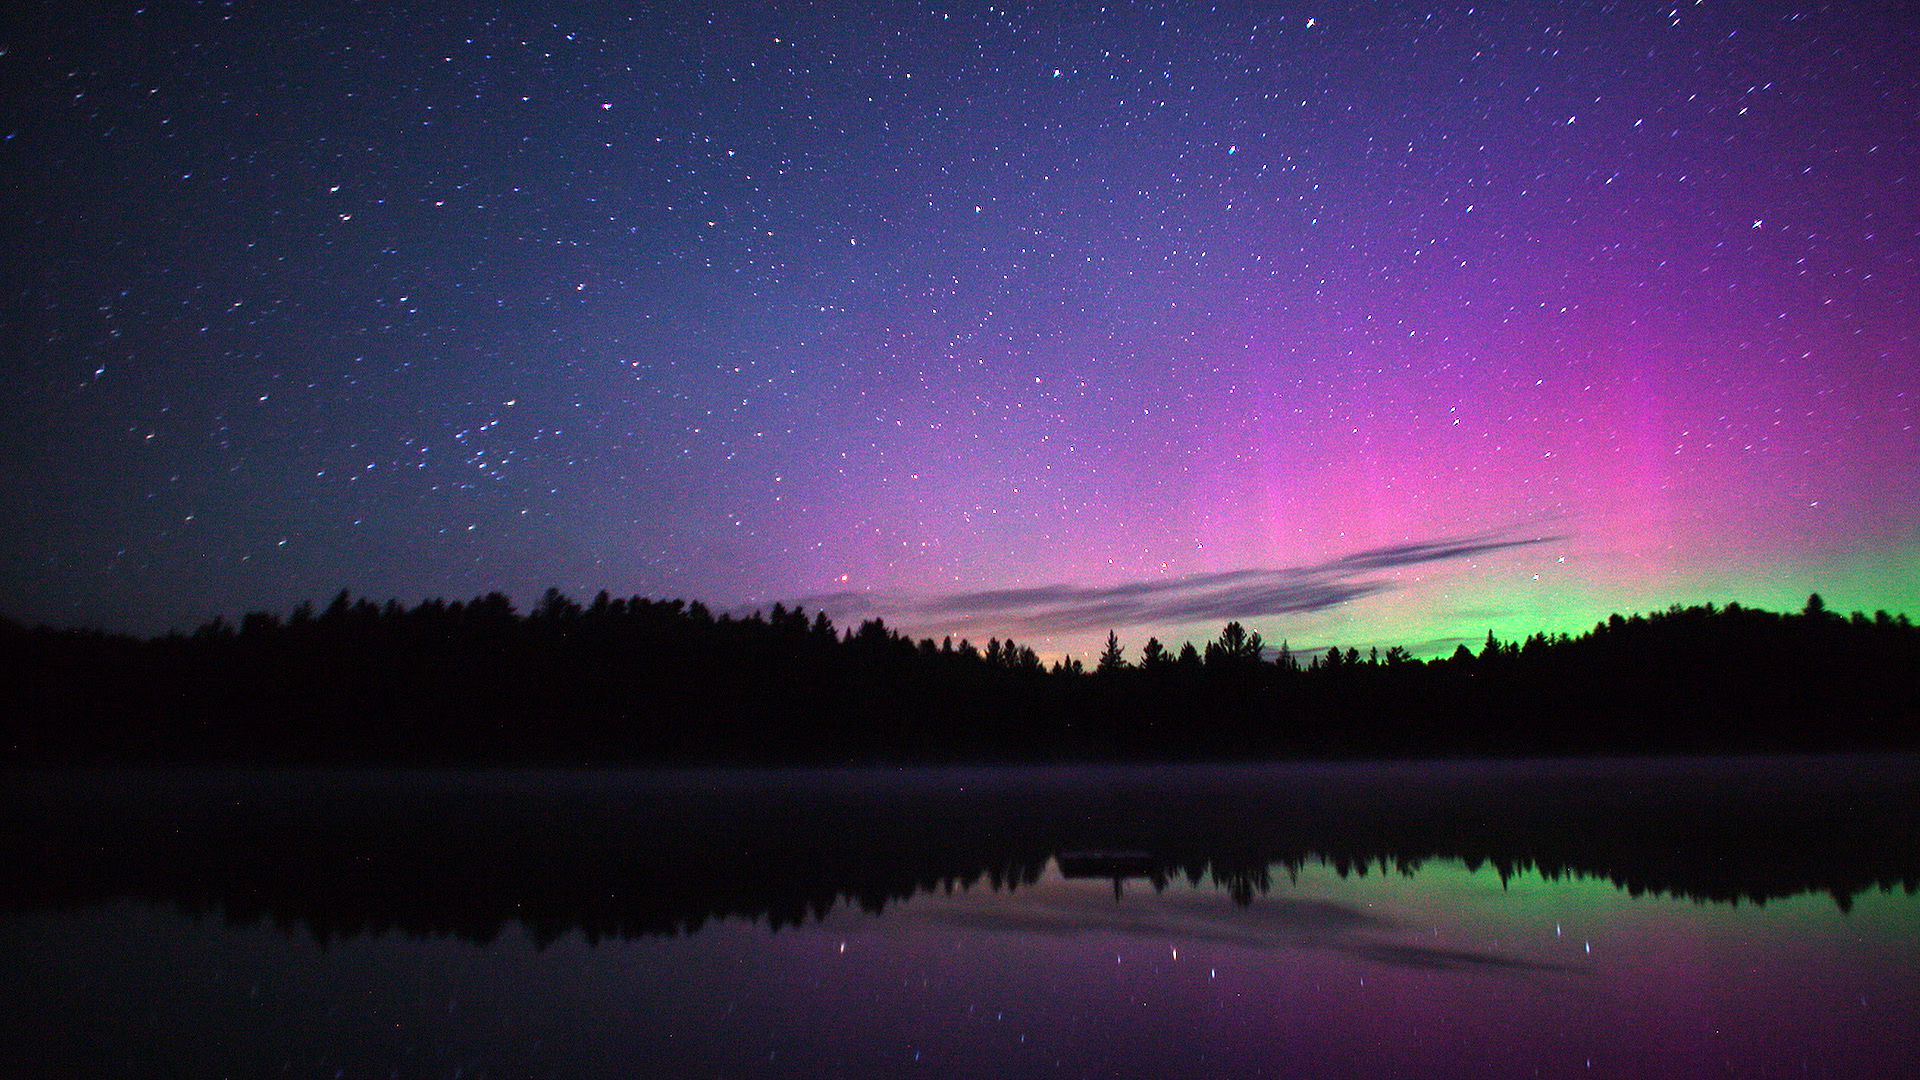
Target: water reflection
x=1596 y=919
x=1274 y=924
x=619 y=854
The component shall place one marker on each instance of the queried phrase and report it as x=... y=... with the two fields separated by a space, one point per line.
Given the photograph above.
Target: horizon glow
x=910 y=311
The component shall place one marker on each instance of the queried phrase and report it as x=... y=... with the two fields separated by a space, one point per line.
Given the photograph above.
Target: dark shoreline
x=641 y=852
x=663 y=682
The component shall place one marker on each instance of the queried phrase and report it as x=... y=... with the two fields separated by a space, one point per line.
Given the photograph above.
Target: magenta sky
x=1365 y=326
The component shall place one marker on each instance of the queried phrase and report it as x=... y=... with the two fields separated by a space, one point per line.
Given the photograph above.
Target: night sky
x=1363 y=325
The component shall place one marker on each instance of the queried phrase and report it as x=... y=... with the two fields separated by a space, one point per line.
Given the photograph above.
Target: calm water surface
x=1751 y=919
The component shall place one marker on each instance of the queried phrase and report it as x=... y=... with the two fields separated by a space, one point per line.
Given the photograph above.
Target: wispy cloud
x=1241 y=594
x=1211 y=597
x=1427 y=551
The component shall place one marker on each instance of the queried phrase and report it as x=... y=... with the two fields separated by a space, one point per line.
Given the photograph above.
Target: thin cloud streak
x=1427 y=551
x=1222 y=595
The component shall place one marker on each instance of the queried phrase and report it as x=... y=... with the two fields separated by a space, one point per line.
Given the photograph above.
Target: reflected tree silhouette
x=623 y=854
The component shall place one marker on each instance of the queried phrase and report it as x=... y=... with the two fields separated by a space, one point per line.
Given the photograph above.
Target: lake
x=1722 y=917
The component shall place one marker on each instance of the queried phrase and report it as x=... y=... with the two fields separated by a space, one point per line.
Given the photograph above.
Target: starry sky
x=1365 y=325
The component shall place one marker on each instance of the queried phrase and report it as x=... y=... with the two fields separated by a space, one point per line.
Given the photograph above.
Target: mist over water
x=1613 y=918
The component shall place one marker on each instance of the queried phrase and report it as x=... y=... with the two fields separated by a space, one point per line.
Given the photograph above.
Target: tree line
x=668 y=681
x=473 y=852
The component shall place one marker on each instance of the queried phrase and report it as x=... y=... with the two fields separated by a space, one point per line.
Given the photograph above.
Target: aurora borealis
x=1364 y=325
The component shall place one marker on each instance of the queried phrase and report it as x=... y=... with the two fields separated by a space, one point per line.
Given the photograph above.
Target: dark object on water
x=1118 y=865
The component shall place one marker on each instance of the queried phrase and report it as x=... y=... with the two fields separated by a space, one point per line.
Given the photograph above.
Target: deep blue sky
x=1369 y=324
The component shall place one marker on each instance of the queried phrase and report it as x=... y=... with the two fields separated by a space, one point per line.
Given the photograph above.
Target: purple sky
x=1364 y=325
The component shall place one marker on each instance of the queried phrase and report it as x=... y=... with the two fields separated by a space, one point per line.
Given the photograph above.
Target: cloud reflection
x=1269 y=924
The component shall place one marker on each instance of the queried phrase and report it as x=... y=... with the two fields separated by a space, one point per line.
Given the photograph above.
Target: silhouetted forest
x=619 y=853
x=638 y=680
